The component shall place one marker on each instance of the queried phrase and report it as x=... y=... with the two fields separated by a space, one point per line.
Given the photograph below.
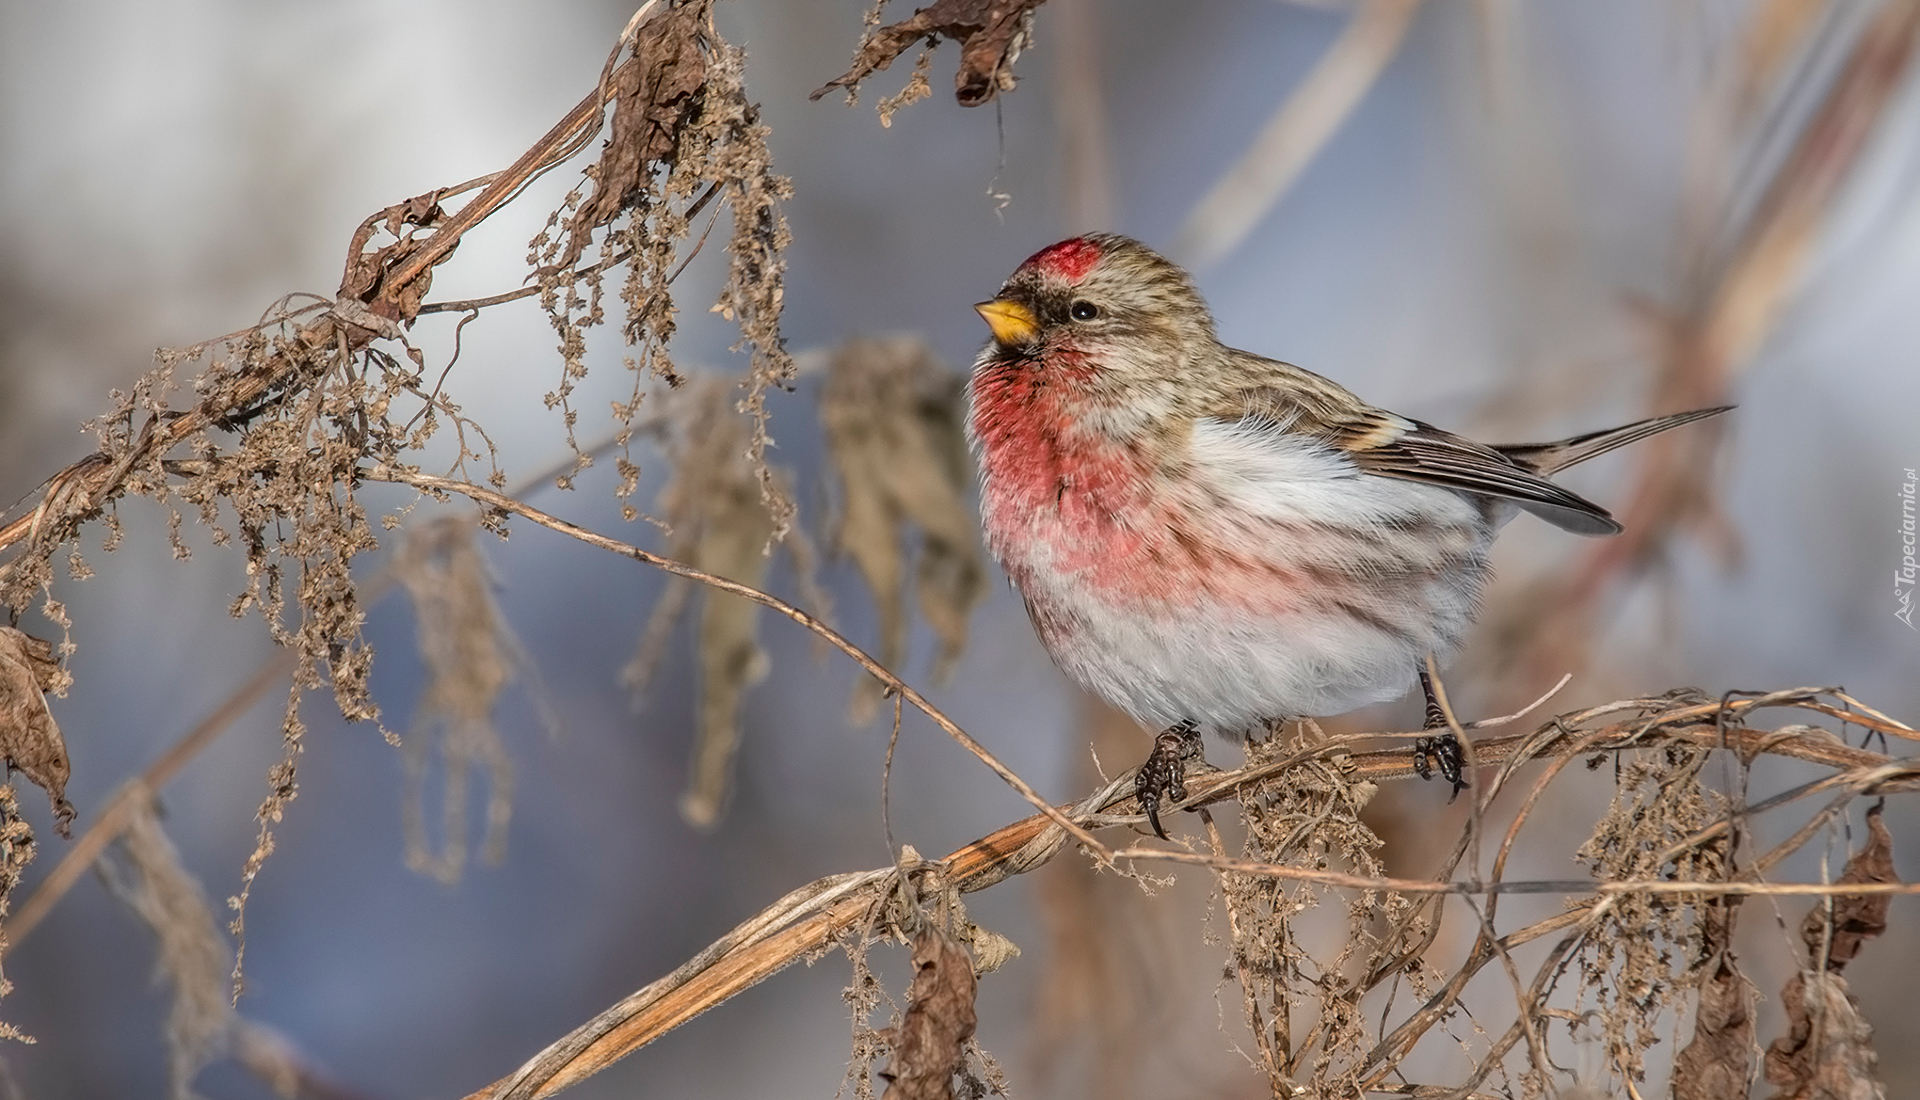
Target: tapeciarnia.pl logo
x=1905 y=576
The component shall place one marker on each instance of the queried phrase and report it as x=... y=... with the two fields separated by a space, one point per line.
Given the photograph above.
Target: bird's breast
x=1072 y=513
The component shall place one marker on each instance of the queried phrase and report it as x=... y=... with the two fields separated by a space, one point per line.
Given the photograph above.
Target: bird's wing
x=1387 y=445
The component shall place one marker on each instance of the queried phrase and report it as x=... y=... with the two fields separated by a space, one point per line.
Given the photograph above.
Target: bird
x=1209 y=539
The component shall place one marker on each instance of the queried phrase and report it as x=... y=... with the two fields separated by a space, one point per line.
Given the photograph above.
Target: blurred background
x=1517 y=218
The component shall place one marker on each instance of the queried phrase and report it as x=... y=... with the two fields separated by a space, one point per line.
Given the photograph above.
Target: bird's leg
x=1444 y=748
x=1164 y=775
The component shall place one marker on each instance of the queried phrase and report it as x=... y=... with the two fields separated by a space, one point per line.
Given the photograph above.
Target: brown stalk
x=810 y=920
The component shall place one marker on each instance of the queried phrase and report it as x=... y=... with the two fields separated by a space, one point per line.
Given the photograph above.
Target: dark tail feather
x=1547 y=458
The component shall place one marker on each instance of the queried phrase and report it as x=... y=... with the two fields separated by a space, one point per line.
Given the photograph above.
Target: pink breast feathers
x=1069 y=260
x=1064 y=507
x=1079 y=506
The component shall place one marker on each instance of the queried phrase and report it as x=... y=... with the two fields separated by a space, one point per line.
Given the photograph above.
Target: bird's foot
x=1445 y=751
x=1444 y=747
x=1164 y=775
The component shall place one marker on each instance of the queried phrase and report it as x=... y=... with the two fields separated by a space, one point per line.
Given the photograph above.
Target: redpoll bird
x=1209 y=539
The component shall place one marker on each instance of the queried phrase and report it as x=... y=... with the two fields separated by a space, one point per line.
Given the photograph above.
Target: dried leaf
x=1718 y=1063
x=1827 y=1053
x=990 y=949
x=29 y=738
x=929 y=1044
x=1855 y=918
x=893 y=418
x=366 y=272
x=652 y=99
x=991 y=33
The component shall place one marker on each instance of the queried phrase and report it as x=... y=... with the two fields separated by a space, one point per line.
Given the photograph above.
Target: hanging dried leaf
x=893 y=417
x=29 y=738
x=1854 y=918
x=1718 y=1063
x=470 y=658
x=718 y=523
x=991 y=33
x=929 y=1044
x=652 y=99
x=1827 y=1053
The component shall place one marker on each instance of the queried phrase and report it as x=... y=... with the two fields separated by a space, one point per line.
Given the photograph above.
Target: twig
x=492 y=499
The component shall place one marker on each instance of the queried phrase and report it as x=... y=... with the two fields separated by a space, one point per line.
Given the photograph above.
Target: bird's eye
x=1083 y=310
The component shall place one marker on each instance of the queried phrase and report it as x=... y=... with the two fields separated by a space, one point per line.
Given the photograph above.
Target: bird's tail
x=1547 y=458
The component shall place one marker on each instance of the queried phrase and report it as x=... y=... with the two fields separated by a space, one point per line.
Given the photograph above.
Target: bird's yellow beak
x=1012 y=323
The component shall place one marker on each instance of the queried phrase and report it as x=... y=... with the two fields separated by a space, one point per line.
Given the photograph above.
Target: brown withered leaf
x=1856 y=917
x=29 y=738
x=991 y=34
x=893 y=414
x=652 y=100
x=1827 y=1053
x=1718 y=1063
x=366 y=272
x=929 y=1044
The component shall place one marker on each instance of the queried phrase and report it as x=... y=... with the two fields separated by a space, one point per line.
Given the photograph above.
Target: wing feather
x=1387 y=445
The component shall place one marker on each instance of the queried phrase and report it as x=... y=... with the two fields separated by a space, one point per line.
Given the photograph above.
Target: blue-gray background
x=1486 y=219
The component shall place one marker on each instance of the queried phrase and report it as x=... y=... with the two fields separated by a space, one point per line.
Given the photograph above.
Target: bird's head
x=1102 y=301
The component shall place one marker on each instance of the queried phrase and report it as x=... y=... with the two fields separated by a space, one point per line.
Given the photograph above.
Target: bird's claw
x=1164 y=775
x=1445 y=751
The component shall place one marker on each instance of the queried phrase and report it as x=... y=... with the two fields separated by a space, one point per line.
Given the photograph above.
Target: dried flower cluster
x=683 y=133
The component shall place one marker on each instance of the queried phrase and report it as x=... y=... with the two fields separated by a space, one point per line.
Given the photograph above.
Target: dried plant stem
x=810 y=920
